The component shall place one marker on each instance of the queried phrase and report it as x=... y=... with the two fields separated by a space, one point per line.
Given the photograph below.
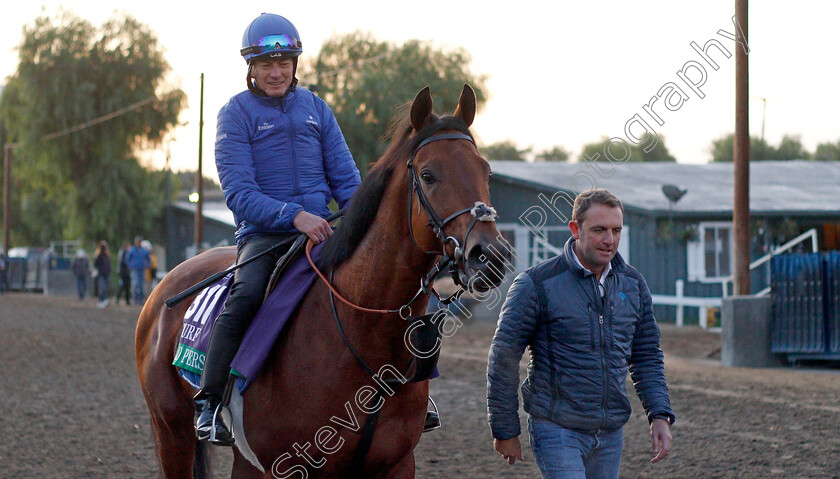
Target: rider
x=281 y=157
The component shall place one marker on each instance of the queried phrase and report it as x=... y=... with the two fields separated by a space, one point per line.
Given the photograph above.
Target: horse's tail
x=202 y=462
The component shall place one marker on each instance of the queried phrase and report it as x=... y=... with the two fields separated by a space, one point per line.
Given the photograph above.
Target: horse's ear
x=465 y=111
x=421 y=109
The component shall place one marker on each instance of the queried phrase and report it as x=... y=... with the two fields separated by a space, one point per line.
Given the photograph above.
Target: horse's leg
x=167 y=396
x=243 y=469
x=176 y=447
x=401 y=470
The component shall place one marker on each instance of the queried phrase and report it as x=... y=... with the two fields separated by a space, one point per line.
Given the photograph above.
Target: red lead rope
x=309 y=245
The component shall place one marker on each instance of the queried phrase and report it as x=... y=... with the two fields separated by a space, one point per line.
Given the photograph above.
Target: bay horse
x=425 y=199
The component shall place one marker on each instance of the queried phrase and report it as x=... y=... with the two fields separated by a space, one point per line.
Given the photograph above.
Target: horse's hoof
x=432 y=421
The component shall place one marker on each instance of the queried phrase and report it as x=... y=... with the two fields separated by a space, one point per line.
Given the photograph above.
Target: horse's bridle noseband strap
x=479 y=211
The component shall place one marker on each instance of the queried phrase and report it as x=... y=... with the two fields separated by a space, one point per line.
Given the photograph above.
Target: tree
x=790 y=148
x=598 y=151
x=557 y=153
x=76 y=170
x=504 y=150
x=657 y=153
x=365 y=80
x=828 y=152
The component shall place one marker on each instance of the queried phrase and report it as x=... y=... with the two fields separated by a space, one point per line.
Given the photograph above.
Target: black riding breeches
x=246 y=297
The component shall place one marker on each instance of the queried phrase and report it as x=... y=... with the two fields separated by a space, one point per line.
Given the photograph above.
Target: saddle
x=284 y=261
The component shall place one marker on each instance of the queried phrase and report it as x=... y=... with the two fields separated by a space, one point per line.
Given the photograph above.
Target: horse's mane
x=364 y=205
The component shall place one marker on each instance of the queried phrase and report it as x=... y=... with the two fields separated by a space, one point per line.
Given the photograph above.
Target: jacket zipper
x=601 y=301
x=293 y=156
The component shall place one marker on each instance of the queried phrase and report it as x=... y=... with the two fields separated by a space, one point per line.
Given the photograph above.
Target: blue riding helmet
x=270 y=35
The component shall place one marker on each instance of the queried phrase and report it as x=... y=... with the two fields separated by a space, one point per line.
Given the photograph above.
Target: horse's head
x=449 y=195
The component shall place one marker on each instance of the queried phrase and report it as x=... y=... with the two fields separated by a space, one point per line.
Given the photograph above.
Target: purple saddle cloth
x=262 y=332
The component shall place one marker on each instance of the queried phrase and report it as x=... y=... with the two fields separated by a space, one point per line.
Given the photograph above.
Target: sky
x=559 y=73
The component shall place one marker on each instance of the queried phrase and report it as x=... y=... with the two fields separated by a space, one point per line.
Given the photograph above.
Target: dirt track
x=72 y=407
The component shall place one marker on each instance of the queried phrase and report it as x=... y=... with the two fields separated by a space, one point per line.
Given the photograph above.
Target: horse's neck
x=385 y=270
x=384 y=273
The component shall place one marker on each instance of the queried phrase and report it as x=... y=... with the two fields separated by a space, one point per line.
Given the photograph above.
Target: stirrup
x=432 y=421
x=221 y=441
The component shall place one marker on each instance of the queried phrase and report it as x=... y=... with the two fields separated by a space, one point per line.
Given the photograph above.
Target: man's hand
x=660 y=437
x=510 y=449
x=315 y=227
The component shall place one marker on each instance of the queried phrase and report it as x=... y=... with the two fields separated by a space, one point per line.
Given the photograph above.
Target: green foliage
x=365 y=80
x=828 y=152
x=86 y=183
x=558 y=153
x=598 y=151
x=504 y=150
x=790 y=148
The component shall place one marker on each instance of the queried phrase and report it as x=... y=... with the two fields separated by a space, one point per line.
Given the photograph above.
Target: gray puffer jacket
x=581 y=349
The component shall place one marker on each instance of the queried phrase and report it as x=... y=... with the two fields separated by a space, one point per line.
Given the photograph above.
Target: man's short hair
x=586 y=199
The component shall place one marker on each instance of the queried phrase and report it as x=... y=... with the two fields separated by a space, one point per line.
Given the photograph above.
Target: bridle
x=455 y=262
x=479 y=212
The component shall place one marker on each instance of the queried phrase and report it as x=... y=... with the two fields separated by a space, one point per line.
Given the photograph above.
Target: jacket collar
x=276 y=100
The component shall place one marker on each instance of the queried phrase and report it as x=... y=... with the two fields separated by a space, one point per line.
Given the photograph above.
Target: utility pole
x=741 y=203
x=7 y=184
x=763 y=114
x=199 y=184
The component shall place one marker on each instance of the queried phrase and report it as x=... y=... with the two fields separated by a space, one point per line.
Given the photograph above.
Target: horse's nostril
x=488 y=266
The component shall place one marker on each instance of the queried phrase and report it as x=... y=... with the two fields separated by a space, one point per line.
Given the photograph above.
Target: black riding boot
x=216 y=384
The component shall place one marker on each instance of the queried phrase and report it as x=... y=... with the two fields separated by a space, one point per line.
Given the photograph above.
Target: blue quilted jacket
x=581 y=348
x=277 y=157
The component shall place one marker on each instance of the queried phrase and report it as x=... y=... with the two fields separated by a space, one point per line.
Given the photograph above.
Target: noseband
x=479 y=212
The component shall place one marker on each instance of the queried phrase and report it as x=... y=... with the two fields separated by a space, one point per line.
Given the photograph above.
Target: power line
x=104 y=118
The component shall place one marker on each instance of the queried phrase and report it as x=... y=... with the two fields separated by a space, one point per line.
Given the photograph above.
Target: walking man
x=587 y=317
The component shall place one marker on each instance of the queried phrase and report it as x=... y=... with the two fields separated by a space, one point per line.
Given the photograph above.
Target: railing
x=810 y=234
x=681 y=302
x=703 y=304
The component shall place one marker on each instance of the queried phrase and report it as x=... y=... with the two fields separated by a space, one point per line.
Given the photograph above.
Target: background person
x=81 y=271
x=2 y=271
x=587 y=317
x=125 y=275
x=138 y=262
x=151 y=273
x=102 y=263
x=281 y=157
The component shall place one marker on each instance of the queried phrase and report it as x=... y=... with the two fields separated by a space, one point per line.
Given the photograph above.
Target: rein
x=479 y=212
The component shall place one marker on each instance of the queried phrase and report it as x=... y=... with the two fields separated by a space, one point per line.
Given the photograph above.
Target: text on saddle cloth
x=262 y=332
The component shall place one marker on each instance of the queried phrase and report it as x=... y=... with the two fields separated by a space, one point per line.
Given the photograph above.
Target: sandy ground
x=72 y=407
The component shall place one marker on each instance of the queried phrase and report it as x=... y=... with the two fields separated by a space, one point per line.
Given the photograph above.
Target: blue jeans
x=571 y=454
x=81 y=286
x=138 y=277
x=103 y=288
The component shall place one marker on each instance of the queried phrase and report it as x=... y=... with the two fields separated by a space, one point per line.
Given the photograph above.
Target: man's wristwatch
x=664 y=417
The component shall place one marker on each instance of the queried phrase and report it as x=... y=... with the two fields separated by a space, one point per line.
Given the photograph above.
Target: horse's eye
x=427 y=177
